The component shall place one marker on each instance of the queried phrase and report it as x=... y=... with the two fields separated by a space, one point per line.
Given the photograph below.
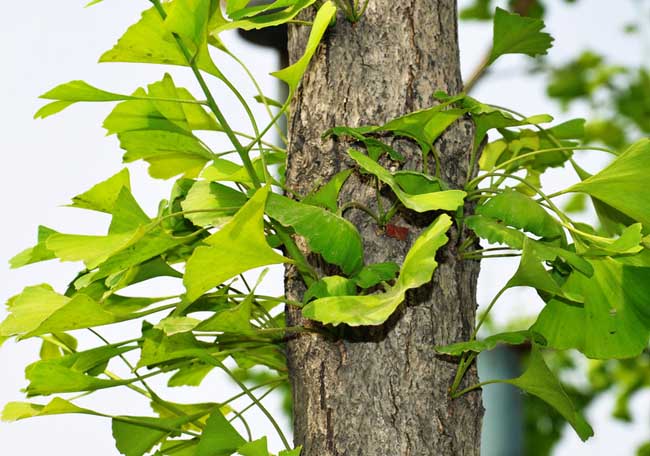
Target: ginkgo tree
x=423 y=188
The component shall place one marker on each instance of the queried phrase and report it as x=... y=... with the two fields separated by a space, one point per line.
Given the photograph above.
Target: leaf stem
x=212 y=104
x=256 y=401
x=487 y=311
x=474 y=387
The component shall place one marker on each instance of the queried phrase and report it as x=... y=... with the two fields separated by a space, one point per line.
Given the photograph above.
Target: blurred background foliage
x=618 y=100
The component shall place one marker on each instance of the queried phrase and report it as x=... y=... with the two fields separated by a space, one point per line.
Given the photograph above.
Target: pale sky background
x=47 y=162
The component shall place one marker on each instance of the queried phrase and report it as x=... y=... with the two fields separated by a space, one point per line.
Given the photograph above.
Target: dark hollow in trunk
x=382 y=390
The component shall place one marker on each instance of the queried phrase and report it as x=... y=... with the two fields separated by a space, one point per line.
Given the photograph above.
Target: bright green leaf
x=330 y=286
x=102 y=196
x=30 y=308
x=615 y=319
x=448 y=200
x=259 y=21
x=495 y=232
x=68 y=374
x=328 y=234
x=623 y=182
x=293 y=74
x=417 y=269
x=168 y=153
x=237 y=247
x=137 y=435
x=15 y=411
x=219 y=437
x=531 y=272
x=72 y=92
x=257 y=447
x=520 y=211
x=489 y=343
x=175 y=325
x=515 y=34
x=376 y=273
x=150 y=41
x=539 y=381
x=211 y=198
x=328 y=195
x=39 y=252
x=232 y=320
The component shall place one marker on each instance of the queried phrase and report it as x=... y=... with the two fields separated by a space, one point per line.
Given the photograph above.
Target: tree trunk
x=383 y=390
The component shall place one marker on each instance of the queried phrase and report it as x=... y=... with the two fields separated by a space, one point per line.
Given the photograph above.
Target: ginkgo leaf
x=150 y=41
x=614 y=321
x=168 y=154
x=328 y=234
x=40 y=310
x=375 y=147
x=327 y=196
x=495 y=232
x=71 y=373
x=531 y=272
x=92 y=250
x=293 y=74
x=189 y=20
x=219 y=437
x=443 y=200
x=238 y=246
x=211 y=204
x=423 y=126
x=164 y=107
x=373 y=274
x=137 y=435
x=39 y=252
x=330 y=286
x=257 y=447
x=14 y=411
x=249 y=19
x=294 y=452
x=515 y=34
x=491 y=342
x=539 y=381
x=222 y=170
x=73 y=92
x=520 y=211
x=417 y=269
x=232 y=320
x=102 y=196
x=622 y=183
x=30 y=308
x=157 y=348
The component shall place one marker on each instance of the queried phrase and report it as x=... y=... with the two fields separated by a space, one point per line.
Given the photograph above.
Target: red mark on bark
x=397 y=232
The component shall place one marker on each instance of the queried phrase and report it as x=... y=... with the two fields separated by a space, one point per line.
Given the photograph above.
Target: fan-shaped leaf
x=336 y=239
x=293 y=74
x=515 y=34
x=448 y=200
x=520 y=211
x=417 y=269
x=237 y=247
x=622 y=183
x=539 y=381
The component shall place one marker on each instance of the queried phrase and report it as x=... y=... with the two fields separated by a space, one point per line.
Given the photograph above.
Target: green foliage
x=223 y=220
x=417 y=269
x=514 y=34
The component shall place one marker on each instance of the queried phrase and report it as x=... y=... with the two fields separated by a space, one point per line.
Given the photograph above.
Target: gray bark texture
x=373 y=391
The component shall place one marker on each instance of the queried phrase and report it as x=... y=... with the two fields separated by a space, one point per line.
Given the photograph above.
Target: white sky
x=48 y=162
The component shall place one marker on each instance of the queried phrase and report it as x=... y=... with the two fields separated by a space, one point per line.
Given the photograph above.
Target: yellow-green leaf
x=237 y=247
x=417 y=269
x=293 y=74
x=447 y=200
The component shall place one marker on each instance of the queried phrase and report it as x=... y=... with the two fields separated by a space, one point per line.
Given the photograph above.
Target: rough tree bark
x=382 y=390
